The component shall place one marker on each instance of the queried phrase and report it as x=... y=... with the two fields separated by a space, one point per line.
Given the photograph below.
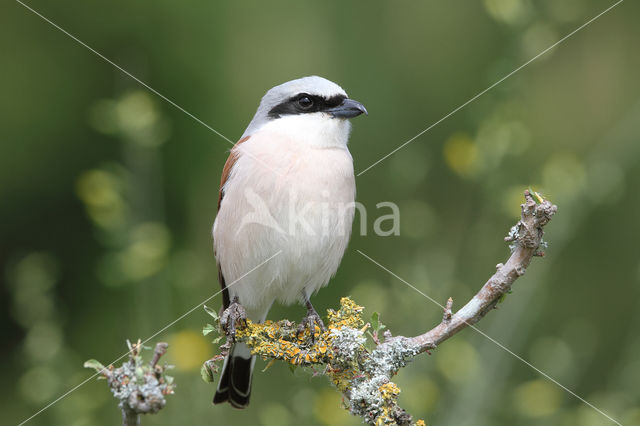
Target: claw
x=312 y=321
x=233 y=316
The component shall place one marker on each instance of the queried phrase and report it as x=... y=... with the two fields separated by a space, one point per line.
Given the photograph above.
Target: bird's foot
x=313 y=322
x=232 y=317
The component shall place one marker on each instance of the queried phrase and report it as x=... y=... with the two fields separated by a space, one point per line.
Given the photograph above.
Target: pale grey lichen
x=139 y=387
x=543 y=245
x=138 y=390
x=391 y=356
x=365 y=399
x=366 y=396
x=347 y=343
x=513 y=237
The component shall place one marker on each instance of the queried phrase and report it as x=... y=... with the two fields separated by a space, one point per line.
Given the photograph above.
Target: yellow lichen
x=389 y=391
x=281 y=340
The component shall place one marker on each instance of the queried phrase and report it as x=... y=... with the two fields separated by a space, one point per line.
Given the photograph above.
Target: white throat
x=317 y=129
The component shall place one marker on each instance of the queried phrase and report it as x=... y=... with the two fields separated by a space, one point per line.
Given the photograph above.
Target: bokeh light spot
x=39 y=384
x=43 y=341
x=327 y=408
x=457 y=360
x=188 y=349
x=564 y=176
x=507 y=11
x=461 y=154
x=537 y=398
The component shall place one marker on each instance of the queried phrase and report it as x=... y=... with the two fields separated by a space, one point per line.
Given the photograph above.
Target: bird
x=287 y=194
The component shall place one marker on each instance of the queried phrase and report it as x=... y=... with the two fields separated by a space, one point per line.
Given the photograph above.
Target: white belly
x=303 y=209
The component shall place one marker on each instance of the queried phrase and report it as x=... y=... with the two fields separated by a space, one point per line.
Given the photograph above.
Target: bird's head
x=311 y=106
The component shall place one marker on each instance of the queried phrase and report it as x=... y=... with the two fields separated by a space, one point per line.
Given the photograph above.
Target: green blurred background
x=109 y=193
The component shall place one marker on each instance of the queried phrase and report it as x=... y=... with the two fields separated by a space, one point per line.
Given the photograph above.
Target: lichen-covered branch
x=140 y=388
x=362 y=369
x=360 y=373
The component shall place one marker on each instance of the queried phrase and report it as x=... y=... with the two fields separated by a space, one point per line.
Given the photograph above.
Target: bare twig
x=526 y=239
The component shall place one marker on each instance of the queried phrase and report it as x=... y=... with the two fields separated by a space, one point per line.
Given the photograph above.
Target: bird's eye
x=305 y=102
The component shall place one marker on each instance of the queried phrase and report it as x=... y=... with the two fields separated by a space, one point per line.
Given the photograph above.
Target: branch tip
x=161 y=349
x=447 y=310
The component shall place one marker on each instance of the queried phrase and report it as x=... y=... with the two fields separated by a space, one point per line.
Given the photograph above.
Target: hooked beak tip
x=349 y=108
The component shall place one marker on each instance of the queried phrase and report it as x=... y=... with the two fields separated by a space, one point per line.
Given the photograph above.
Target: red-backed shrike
x=288 y=186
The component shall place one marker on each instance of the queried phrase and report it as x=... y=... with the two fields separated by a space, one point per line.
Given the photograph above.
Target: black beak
x=348 y=109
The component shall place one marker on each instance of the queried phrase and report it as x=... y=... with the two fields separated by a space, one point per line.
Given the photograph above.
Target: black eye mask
x=304 y=103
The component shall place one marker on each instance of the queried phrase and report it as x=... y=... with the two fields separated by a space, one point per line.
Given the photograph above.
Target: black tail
x=235 y=381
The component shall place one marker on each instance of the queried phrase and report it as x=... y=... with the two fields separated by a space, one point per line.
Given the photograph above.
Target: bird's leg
x=233 y=316
x=311 y=320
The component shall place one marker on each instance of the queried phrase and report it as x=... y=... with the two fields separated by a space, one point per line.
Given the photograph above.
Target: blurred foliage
x=109 y=193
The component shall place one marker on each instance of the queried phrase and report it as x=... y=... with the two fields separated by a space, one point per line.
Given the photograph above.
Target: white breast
x=290 y=195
